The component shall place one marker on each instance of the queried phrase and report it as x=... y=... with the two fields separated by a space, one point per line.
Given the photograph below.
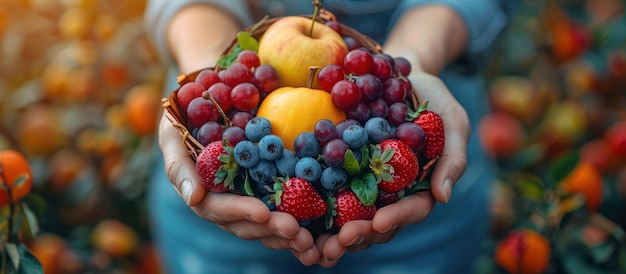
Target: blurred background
x=80 y=94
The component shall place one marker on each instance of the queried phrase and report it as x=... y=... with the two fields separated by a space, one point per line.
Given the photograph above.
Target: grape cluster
x=233 y=93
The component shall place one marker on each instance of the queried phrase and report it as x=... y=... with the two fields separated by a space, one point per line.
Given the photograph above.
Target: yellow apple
x=287 y=46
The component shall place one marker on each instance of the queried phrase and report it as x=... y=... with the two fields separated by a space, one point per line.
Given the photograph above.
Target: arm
x=192 y=44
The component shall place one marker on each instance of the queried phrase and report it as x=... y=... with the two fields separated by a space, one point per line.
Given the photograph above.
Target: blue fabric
x=445 y=243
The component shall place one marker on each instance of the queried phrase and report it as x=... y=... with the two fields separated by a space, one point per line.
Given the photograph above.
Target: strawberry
x=297 y=197
x=433 y=128
x=217 y=167
x=346 y=207
x=394 y=164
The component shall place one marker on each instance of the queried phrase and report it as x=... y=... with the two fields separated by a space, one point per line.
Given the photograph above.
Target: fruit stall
x=80 y=94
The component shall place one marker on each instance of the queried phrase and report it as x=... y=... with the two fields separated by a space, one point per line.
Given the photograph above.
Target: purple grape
x=325 y=130
x=209 y=132
x=378 y=108
x=370 y=87
x=398 y=113
x=345 y=124
x=234 y=135
x=305 y=145
x=361 y=113
x=334 y=153
x=411 y=134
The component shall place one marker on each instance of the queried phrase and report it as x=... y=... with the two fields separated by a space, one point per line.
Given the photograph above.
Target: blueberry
x=305 y=145
x=355 y=136
x=378 y=129
x=271 y=147
x=286 y=164
x=263 y=172
x=257 y=127
x=332 y=178
x=246 y=154
x=309 y=169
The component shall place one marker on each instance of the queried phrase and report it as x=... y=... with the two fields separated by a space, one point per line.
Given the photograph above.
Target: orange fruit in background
x=292 y=111
x=142 y=106
x=13 y=165
x=523 y=251
x=114 y=237
x=585 y=179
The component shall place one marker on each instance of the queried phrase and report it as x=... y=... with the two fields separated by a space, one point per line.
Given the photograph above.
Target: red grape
x=325 y=130
x=358 y=62
x=249 y=58
x=394 y=90
x=335 y=26
x=397 y=113
x=378 y=108
x=245 y=97
x=201 y=111
x=236 y=74
x=234 y=135
x=361 y=113
x=351 y=43
x=345 y=95
x=188 y=92
x=329 y=76
x=207 y=78
x=265 y=79
x=240 y=119
x=411 y=134
x=334 y=152
x=370 y=87
x=221 y=94
x=381 y=68
x=402 y=66
x=209 y=132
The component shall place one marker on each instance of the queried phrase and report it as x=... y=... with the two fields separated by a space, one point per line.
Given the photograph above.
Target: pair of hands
x=250 y=219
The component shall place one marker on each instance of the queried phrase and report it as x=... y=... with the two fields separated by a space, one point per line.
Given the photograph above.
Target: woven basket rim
x=176 y=117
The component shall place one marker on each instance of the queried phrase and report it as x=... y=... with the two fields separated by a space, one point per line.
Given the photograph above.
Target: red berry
x=348 y=207
x=358 y=62
x=245 y=97
x=345 y=95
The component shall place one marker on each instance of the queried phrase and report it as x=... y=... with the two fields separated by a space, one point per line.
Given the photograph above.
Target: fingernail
x=186 y=191
x=357 y=240
x=293 y=246
x=447 y=190
x=390 y=228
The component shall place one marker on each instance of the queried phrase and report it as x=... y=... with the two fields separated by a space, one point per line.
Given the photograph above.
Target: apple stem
x=312 y=71
x=317 y=4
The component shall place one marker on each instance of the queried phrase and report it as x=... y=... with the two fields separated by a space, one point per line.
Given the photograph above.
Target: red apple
x=287 y=46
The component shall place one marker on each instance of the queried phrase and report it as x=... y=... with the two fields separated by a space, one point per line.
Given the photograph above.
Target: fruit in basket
x=346 y=207
x=395 y=164
x=217 y=167
x=297 y=197
x=432 y=125
x=289 y=37
x=292 y=111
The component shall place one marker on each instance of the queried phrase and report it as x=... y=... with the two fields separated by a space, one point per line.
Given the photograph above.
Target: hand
x=413 y=209
x=247 y=217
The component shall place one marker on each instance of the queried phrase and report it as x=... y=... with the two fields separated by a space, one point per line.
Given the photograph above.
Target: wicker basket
x=178 y=119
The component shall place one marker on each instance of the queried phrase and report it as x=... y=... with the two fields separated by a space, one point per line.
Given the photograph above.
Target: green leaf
x=564 y=165
x=421 y=186
x=30 y=223
x=365 y=189
x=20 y=180
x=29 y=264
x=364 y=160
x=350 y=163
x=247 y=41
x=228 y=59
x=36 y=203
x=530 y=186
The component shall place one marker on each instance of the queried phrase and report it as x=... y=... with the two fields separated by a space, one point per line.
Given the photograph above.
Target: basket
x=194 y=147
